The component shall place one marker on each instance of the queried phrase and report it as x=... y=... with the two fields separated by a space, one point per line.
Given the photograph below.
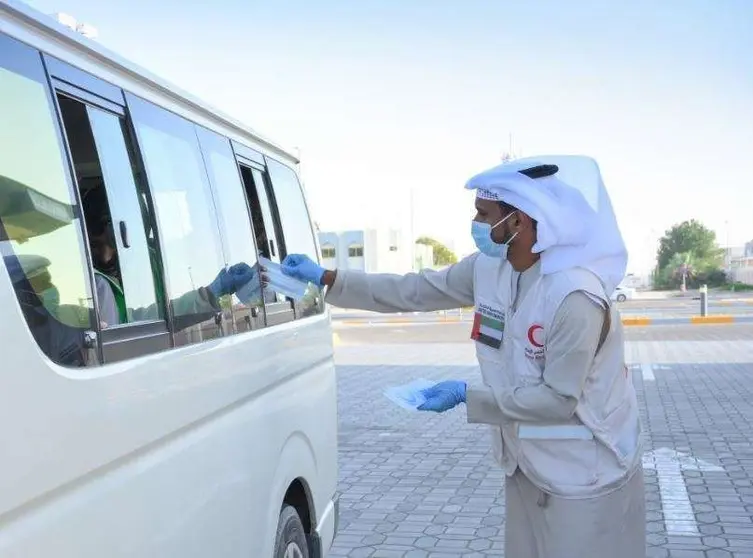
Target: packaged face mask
x=281 y=283
x=409 y=396
x=250 y=293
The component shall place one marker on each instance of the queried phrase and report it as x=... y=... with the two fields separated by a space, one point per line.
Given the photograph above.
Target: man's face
x=102 y=251
x=491 y=213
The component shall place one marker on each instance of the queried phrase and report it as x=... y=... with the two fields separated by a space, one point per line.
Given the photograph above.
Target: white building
x=740 y=263
x=732 y=254
x=374 y=251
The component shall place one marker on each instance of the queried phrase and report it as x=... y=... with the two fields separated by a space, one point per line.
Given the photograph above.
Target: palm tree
x=683 y=267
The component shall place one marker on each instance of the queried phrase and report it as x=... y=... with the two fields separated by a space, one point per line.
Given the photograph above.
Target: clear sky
x=385 y=96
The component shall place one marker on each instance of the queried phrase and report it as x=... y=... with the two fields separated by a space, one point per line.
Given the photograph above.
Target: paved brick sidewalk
x=424 y=485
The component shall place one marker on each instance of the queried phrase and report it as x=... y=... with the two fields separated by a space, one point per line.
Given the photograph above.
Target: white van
x=145 y=409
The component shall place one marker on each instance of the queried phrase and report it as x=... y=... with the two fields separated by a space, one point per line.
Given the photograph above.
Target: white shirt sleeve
x=425 y=291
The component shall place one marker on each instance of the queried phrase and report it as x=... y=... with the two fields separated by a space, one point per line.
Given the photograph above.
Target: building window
x=355 y=251
x=328 y=252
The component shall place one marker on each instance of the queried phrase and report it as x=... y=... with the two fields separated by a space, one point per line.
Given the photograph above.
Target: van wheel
x=621 y=298
x=290 y=541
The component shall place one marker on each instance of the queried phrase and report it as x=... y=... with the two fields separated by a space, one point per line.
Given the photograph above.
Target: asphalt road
x=663 y=308
x=686 y=307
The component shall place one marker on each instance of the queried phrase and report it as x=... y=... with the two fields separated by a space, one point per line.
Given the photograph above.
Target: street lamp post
x=728 y=258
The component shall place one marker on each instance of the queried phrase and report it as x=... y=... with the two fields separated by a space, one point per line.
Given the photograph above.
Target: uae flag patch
x=488 y=327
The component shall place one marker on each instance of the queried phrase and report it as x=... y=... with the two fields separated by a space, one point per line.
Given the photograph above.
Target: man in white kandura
x=556 y=391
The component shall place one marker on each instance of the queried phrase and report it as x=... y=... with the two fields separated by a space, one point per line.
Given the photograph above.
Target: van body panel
x=185 y=452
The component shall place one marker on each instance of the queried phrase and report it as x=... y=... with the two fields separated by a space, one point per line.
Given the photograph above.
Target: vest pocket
x=484 y=353
x=561 y=464
x=621 y=431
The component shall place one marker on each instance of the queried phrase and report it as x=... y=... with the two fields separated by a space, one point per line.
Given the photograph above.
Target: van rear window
x=40 y=234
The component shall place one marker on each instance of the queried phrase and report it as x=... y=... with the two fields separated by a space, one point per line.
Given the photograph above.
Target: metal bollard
x=704 y=290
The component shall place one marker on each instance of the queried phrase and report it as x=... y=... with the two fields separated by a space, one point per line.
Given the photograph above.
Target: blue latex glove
x=443 y=396
x=303 y=268
x=233 y=278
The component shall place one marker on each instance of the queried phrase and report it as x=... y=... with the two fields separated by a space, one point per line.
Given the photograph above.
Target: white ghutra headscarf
x=577 y=226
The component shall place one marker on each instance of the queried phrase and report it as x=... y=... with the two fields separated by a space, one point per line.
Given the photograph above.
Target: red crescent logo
x=531 y=333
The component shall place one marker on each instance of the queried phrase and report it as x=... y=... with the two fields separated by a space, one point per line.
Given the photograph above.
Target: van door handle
x=124 y=234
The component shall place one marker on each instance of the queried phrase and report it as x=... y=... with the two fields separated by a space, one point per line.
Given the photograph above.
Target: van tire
x=290 y=541
x=621 y=298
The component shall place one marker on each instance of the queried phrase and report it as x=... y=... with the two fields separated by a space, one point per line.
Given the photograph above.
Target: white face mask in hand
x=281 y=283
x=409 y=396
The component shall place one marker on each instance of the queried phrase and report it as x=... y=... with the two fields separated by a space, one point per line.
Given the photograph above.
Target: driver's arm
x=108 y=308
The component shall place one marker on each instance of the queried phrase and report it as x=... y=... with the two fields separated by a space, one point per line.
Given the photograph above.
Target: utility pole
x=510 y=154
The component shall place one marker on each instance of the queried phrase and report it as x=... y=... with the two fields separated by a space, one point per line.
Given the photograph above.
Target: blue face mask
x=482 y=236
x=50 y=298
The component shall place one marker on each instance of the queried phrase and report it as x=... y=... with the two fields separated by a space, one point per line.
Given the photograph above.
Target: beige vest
x=600 y=447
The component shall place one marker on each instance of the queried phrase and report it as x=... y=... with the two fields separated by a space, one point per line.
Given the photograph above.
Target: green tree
x=689 y=250
x=442 y=254
x=690 y=237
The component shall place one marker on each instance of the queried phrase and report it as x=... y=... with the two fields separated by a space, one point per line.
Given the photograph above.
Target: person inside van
x=113 y=309
x=53 y=324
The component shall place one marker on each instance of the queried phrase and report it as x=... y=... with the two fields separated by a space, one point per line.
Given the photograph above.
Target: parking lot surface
x=425 y=485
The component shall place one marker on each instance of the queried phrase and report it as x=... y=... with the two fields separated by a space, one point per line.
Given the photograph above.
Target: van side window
x=114 y=213
x=277 y=307
x=41 y=236
x=296 y=227
x=291 y=205
x=261 y=213
x=186 y=217
x=246 y=305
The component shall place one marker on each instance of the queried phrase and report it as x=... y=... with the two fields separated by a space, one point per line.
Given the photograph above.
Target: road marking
x=636 y=321
x=716 y=320
x=648 y=373
x=679 y=518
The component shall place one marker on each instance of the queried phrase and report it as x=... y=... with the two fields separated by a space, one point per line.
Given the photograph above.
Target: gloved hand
x=303 y=268
x=443 y=396
x=233 y=278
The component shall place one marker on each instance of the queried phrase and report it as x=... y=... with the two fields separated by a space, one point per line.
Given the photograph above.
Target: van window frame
x=255 y=317
x=276 y=313
x=318 y=303
x=137 y=104
x=130 y=340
